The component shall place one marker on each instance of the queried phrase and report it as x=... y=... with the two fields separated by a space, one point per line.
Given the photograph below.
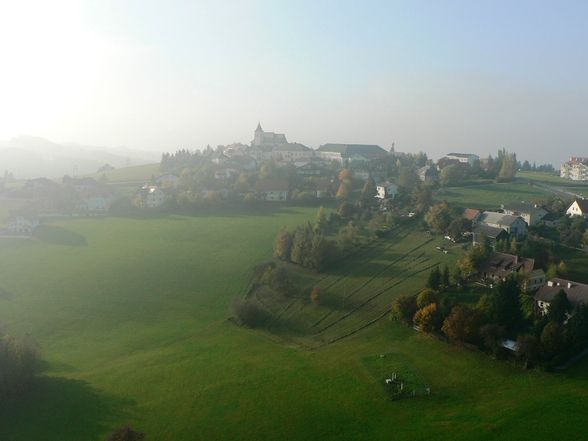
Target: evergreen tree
x=434 y=280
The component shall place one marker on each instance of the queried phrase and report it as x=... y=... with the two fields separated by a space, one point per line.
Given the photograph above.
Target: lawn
x=131 y=315
x=490 y=196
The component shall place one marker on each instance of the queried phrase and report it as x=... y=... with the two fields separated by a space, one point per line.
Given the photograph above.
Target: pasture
x=132 y=320
x=490 y=196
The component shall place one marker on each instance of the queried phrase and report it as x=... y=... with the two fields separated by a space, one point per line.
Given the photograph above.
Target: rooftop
x=354 y=149
x=493 y=217
x=577 y=292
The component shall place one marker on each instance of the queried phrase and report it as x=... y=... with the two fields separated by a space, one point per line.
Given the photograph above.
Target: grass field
x=580 y=188
x=136 y=174
x=490 y=196
x=132 y=320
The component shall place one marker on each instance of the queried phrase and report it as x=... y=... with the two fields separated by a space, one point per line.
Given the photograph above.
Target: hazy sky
x=431 y=75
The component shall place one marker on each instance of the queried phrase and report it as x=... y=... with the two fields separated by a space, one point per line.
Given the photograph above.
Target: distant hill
x=28 y=157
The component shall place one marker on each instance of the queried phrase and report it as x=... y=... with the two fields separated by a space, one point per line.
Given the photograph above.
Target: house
x=575 y=169
x=551 y=220
x=535 y=280
x=499 y=266
x=272 y=189
x=168 y=181
x=533 y=214
x=463 y=158
x=472 y=215
x=22 y=224
x=578 y=208
x=492 y=233
x=577 y=293
x=95 y=201
x=311 y=168
x=386 y=190
x=149 y=196
x=515 y=226
x=428 y=174
x=346 y=153
x=292 y=152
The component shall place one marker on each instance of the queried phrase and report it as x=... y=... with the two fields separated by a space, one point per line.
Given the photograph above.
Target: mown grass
x=133 y=326
x=490 y=196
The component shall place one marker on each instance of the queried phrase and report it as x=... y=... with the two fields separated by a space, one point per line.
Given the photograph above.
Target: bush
x=19 y=361
x=249 y=313
x=126 y=434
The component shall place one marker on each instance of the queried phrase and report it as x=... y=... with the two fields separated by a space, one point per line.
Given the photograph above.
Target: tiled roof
x=576 y=292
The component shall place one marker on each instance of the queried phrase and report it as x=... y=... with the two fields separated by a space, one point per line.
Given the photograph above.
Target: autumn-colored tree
x=463 y=324
x=426 y=318
x=426 y=297
x=283 y=244
x=439 y=217
x=404 y=308
x=562 y=269
x=344 y=175
x=315 y=295
x=320 y=222
x=343 y=191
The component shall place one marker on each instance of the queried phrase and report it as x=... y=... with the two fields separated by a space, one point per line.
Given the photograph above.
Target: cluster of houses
x=576 y=169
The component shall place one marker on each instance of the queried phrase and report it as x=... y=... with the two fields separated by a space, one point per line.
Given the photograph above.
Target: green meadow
x=491 y=196
x=132 y=318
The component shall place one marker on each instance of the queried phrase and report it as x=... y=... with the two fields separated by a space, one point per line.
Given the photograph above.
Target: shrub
x=250 y=314
x=126 y=434
x=19 y=361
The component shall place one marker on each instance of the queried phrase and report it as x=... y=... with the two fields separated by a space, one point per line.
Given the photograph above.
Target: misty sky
x=437 y=75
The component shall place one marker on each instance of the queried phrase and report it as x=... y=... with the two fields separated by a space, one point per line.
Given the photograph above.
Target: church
x=267 y=139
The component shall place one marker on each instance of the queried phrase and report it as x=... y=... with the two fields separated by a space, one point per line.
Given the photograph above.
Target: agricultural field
x=132 y=318
x=135 y=174
x=491 y=196
x=580 y=188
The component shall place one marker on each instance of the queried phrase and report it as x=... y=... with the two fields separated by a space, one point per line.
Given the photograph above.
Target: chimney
x=569 y=285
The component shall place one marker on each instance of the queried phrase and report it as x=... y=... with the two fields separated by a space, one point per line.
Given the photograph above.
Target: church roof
x=259 y=129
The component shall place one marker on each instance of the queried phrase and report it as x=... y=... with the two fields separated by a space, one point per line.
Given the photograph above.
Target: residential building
x=499 y=266
x=472 y=214
x=578 y=208
x=22 y=224
x=272 y=189
x=515 y=226
x=463 y=158
x=533 y=214
x=535 y=280
x=577 y=293
x=347 y=153
x=149 y=196
x=428 y=174
x=386 y=190
x=292 y=152
x=575 y=169
x=493 y=234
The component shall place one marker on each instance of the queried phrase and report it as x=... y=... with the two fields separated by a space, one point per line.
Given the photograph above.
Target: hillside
x=29 y=157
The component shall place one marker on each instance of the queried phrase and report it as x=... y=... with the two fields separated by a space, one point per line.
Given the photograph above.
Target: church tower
x=257 y=140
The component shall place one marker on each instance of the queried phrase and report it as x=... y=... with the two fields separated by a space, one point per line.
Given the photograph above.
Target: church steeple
x=259 y=129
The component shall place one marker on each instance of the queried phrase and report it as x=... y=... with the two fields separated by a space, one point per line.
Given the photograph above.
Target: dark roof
x=502 y=264
x=491 y=232
x=272 y=184
x=576 y=292
x=462 y=155
x=347 y=150
x=522 y=207
x=583 y=204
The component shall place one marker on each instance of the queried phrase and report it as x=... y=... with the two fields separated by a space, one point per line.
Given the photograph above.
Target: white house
x=386 y=190
x=578 y=208
x=22 y=224
x=98 y=204
x=149 y=196
x=575 y=169
x=513 y=225
x=272 y=189
x=464 y=158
